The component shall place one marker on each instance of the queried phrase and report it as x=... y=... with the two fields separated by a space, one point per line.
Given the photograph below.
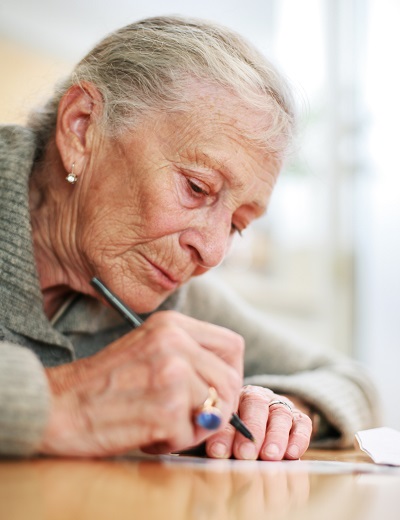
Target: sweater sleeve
x=24 y=400
x=338 y=388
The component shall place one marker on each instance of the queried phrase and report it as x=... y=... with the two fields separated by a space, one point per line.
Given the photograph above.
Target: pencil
x=135 y=321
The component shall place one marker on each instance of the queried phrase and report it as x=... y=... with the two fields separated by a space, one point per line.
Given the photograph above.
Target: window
x=298 y=261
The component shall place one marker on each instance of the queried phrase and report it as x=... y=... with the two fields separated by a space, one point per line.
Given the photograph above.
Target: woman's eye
x=235 y=229
x=195 y=188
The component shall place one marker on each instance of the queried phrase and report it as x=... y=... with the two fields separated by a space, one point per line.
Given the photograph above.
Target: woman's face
x=162 y=204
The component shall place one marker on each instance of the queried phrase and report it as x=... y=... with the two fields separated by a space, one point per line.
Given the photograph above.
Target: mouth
x=163 y=278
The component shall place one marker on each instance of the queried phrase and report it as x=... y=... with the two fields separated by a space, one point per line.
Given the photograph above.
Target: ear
x=78 y=110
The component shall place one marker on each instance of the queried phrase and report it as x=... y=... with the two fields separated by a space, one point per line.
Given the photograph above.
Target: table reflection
x=146 y=490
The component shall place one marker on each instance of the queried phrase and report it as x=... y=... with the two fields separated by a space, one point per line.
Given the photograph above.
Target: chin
x=171 y=301
x=150 y=302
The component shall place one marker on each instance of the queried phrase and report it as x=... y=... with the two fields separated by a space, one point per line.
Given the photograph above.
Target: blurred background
x=325 y=260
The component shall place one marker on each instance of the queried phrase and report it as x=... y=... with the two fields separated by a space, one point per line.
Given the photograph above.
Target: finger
x=300 y=435
x=119 y=397
x=160 y=340
x=219 y=445
x=221 y=342
x=280 y=421
x=253 y=411
x=170 y=340
x=111 y=418
x=224 y=343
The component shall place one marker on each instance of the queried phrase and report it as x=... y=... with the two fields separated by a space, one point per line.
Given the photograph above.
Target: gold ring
x=277 y=401
x=209 y=417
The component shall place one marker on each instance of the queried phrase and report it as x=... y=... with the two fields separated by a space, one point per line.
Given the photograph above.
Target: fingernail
x=272 y=450
x=247 y=451
x=293 y=451
x=218 y=450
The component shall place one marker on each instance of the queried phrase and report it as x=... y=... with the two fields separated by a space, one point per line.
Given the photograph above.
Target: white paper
x=285 y=466
x=282 y=466
x=381 y=444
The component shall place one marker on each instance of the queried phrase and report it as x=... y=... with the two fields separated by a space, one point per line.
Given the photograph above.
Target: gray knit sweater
x=337 y=387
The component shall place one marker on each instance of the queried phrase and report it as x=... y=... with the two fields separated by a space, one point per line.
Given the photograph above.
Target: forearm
x=24 y=401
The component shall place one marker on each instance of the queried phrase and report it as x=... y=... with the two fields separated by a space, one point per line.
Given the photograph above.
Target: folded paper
x=381 y=444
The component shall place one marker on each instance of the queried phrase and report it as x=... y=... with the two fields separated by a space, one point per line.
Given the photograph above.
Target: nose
x=208 y=240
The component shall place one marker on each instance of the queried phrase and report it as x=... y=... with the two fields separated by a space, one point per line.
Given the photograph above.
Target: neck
x=53 y=232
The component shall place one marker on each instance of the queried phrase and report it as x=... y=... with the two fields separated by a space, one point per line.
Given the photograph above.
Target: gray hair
x=146 y=66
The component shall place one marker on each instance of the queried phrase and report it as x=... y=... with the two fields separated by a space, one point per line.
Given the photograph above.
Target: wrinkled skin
x=151 y=209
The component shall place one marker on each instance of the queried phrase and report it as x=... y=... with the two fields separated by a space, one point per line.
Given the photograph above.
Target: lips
x=163 y=277
x=166 y=273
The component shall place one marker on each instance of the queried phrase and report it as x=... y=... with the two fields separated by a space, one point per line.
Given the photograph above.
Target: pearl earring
x=72 y=177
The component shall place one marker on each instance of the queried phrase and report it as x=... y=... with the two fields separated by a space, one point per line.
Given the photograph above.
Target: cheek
x=162 y=213
x=165 y=220
x=105 y=236
x=107 y=220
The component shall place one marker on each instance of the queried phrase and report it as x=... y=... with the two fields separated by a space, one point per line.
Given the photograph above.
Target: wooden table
x=128 y=488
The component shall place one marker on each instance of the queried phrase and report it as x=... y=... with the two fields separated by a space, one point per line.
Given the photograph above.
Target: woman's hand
x=144 y=389
x=279 y=432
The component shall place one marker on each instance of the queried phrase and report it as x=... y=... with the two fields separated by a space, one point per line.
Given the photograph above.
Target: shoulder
x=17 y=147
x=15 y=135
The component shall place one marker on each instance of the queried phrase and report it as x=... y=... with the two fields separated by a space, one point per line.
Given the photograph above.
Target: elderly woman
x=166 y=141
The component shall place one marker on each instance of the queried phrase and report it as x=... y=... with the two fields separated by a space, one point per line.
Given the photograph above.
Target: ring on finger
x=209 y=417
x=284 y=403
